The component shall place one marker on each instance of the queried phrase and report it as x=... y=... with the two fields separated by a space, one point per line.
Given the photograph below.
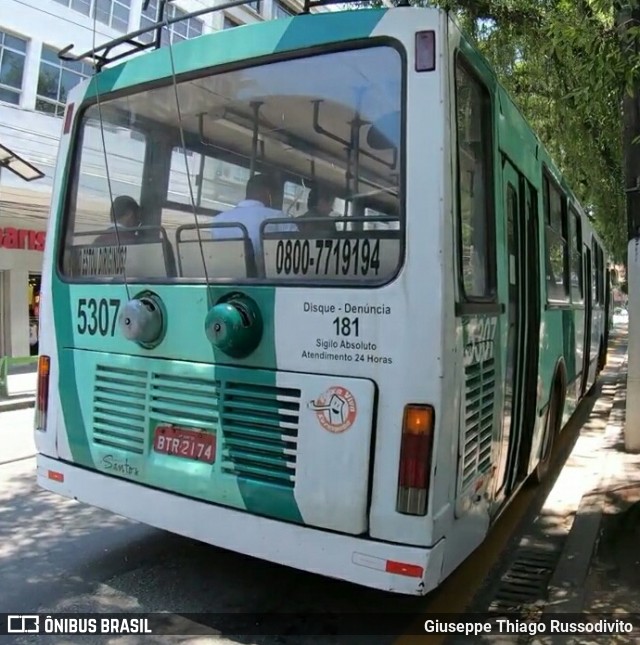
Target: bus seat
x=223 y=259
x=149 y=256
x=147 y=260
x=230 y=257
x=136 y=261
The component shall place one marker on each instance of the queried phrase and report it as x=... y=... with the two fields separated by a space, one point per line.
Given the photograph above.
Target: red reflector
x=404 y=569
x=68 y=117
x=425 y=51
x=58 y=477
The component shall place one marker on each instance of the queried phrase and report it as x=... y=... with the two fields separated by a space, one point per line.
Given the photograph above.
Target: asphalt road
x=58 y=555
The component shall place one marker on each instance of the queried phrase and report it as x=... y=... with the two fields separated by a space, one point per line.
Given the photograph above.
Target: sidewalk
x=18 y=438
x=21 y=386
x=599 y=569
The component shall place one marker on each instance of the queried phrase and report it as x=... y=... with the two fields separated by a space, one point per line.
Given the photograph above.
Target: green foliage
x=567 y=66
x=563 y=64
x=578 y=68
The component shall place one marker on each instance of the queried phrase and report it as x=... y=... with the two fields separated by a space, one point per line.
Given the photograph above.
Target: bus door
x=588 y=307
x=607 y=311
x=521 y=268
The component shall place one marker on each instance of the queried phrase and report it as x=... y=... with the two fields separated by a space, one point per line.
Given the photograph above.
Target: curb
x=567 y=585
x=16 y=459
x=19 y=404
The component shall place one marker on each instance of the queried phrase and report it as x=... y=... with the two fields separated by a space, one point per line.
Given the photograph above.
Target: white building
x=34 y=84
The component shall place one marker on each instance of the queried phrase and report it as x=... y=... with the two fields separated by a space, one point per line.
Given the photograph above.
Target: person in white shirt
x=33 y=337
x=251 y=212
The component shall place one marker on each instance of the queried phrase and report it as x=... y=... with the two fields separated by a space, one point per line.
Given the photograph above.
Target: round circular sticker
x=335 y=409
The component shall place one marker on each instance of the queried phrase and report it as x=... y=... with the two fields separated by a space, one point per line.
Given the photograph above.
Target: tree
x=568 y=75
x=567 y=66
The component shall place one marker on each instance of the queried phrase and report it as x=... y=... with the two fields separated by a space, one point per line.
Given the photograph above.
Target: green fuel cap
x=234 y=325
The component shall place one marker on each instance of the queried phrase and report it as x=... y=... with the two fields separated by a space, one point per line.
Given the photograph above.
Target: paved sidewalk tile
x=11 y=403
x=22 y=390
x=613 y=585
x=22 y=384
x=599 y=573
x=17 y=441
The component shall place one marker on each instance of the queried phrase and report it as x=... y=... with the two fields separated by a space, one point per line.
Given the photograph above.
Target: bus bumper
x=379 y=565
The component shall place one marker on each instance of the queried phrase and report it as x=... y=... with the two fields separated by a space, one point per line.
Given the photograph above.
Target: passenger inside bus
x=127 y=229
x=252 y=211
x=126 y=217
x=320 y=204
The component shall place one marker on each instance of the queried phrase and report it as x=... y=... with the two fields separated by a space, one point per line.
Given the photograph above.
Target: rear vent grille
x=119 y=407
x=256 y=425
x=260 y=427
x=185 y=401
x=478 y=420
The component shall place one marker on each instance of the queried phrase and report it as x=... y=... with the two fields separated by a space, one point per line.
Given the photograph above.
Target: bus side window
x=557 y=242
x=598 y=273
x=594 y=271
x=577 y=294
x=477 y=252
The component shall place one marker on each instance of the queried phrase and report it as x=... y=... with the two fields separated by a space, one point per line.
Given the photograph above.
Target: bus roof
x=277 y=36
x=129 y=44
x=224 y=47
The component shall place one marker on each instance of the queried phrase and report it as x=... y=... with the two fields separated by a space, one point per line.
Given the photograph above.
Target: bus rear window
x=290 y=171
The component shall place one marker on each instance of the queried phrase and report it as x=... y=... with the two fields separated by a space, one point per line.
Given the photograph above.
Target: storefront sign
x=21 y=238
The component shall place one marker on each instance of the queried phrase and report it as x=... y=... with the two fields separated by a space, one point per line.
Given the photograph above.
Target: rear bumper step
x=400 y=569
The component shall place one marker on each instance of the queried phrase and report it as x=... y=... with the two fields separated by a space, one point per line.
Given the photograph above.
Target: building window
x=256 y=6
x=473 y=110
x=183 y=30
x=82 y=6
x=113 y=13
x=55 y=80
x=557 y=256
x=13 y=52
x=280 y=10
x=229 y=23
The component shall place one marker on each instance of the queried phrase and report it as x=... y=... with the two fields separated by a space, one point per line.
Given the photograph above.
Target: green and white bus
x=359 y=402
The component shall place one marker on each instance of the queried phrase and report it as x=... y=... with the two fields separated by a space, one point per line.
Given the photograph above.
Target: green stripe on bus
x=69 y=379
x=307 y=31
x=228 y=47
x=278 y=500
x=191 y=54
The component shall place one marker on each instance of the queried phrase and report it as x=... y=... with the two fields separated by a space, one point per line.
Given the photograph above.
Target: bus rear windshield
x=288 y=171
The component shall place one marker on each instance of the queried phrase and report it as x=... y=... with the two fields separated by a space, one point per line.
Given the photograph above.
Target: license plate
x=185 y=442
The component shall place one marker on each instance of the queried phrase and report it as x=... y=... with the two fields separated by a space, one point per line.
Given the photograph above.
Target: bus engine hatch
x=271 y=443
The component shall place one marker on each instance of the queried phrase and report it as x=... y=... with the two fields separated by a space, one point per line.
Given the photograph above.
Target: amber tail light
x=415 y=459
x=42 y=396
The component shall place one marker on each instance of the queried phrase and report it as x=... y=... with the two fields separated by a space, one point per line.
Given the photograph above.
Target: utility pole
x=629 y=16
